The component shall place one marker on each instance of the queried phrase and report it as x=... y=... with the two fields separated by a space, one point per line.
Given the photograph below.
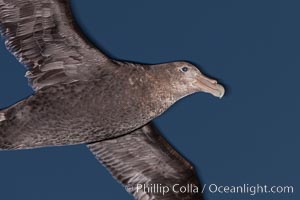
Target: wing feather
x=43 y=36
x=145 y=159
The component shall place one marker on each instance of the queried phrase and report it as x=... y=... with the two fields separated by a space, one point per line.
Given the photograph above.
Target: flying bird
x=83 y=96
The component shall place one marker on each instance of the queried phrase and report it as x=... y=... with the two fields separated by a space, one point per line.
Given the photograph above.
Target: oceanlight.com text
x=211 y=188
x=248 y=189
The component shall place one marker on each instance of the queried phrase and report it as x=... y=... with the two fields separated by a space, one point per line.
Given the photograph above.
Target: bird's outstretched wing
x=43 y=36
x=143 y=160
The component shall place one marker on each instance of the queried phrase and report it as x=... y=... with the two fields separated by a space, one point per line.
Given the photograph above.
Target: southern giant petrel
x=83 y=96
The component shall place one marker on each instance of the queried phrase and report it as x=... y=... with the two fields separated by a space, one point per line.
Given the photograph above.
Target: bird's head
x=184 y=78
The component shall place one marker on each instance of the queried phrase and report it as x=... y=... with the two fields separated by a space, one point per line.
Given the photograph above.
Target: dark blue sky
x=251 y=136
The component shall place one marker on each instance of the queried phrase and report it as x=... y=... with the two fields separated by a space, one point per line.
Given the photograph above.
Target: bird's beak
x=211 y=86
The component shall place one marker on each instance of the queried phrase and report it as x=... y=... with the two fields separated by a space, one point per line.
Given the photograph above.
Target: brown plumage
x=83 y=96
x=143 y=160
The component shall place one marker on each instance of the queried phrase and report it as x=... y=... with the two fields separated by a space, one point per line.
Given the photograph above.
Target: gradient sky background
x=251 y=136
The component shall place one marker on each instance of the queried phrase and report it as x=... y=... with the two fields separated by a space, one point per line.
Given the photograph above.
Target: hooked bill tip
x=221 y=90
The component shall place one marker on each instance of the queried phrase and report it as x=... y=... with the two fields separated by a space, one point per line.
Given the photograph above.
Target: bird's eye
x=184 y=69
